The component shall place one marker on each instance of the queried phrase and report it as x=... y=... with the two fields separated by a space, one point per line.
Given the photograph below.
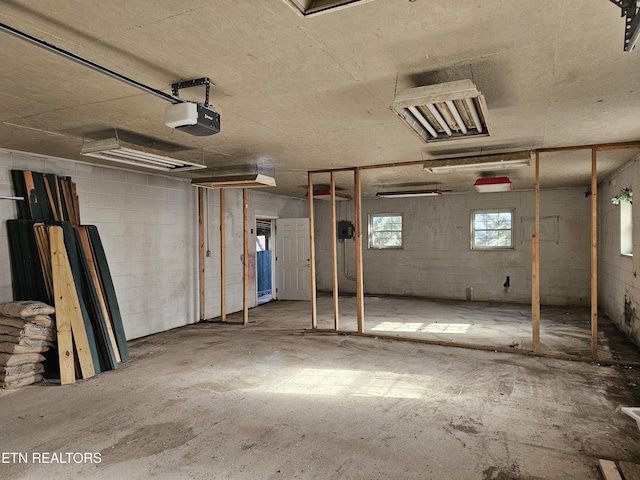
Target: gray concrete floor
x=271 y=400
x=563 y=330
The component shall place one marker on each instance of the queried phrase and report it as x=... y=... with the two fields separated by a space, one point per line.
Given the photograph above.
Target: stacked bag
x=26 y=332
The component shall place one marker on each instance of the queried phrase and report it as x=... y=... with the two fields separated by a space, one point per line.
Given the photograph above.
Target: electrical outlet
x=208 y=253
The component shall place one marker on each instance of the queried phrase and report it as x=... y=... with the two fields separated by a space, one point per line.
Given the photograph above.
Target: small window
x=626 y=228
x=491 y=229
x=385 y=230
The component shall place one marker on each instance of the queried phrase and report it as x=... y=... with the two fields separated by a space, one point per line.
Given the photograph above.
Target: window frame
x=472 y=236
x=371 y=235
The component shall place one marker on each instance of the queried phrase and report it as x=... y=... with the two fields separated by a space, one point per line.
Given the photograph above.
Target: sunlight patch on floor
x=361 y=383
x=421 y=327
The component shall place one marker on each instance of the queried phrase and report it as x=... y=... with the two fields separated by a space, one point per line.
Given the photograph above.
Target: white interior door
x=292 y=259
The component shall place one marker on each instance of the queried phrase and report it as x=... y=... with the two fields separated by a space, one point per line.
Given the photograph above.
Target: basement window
x=491 y=229
x=306 y=8
x=385 y=230
x=626 y=228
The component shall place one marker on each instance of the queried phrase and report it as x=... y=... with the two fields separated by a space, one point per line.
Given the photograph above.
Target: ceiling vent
x=115 y=150
x=446 y=111
x=306 y=8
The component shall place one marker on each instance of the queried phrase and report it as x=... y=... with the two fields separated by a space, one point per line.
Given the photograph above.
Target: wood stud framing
x=245 y=256
x=312 y=255
x=223 y=258
x=202 y=252
x=535 y=252
x=357 y=194
x=535 y=266
x=334 y=253
x=594 y=255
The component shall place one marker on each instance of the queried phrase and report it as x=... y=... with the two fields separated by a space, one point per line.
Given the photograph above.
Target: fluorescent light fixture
x=445 y=111
x=409 y=193
x=243 y=180
x=115 y=150
x=483 y=162
x=325 y=194
x=493 y=184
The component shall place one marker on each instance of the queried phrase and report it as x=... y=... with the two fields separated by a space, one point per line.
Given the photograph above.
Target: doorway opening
x=264 y=260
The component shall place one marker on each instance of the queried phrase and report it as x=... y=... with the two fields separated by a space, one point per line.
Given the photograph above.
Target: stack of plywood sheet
x=26 y=332
x=56 y=260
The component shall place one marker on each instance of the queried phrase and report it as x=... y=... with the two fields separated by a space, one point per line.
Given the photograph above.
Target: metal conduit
x=88 y=63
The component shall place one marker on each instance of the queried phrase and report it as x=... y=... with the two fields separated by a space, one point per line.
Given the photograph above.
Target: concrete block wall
x=618 y=283
x=149 y=227
x=436 y=259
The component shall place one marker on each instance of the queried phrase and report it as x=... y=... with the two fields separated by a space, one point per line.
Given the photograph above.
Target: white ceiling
x=298 y=94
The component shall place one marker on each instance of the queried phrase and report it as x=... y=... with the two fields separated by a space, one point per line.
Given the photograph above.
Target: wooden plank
x=594 y=255
x=109 y=291
x=56 y=182
x=357 y=194
x=334 y=254
x=76 y=202
x=202 y=256
x=41 y=194
x=28 y=281
x=52 y=198
x=245 y=256
x=65 y=188
x=67 y=307
x=630 y=471
x=312 y=254
x=35 y=209
x=20 y=190
x=85 y=243
x=44 y=253
x=223 y=258
x=609 y=470
x=535 y=265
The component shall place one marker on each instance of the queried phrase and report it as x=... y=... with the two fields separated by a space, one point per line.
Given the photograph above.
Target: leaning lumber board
x=20 y=190
x=630 y=471
x=98 y=322
x=76 y=271
x=32 y=197
x=69 y=323
x=41 y=194
x=28 y=280
x=52 y=197
x=91 y=263
x=76 y=201
x=109 y=290
x=609 y=470
x=44 y=252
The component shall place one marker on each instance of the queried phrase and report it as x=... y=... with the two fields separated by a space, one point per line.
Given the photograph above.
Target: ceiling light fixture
x=241 y=180
x=409 y=193
x=445 y=111
x=493 y=184
x=115 y=150
x=490 y=162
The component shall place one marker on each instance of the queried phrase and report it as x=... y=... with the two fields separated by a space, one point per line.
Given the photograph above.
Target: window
x=626 y=228
x=491 y=229
x=385 y=230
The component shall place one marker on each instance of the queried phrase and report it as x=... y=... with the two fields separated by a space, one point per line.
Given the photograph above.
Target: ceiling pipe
x=88 y=63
